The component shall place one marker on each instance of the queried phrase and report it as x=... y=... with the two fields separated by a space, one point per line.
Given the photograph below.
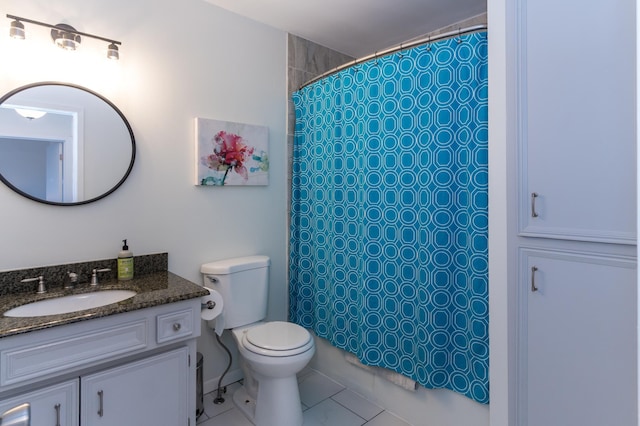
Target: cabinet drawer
x=44 y=358
x=174 y=325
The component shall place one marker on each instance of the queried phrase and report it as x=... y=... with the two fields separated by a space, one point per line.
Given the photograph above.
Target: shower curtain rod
x=400 y=47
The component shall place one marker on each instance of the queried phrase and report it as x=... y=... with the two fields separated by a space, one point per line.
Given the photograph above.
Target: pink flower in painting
x=229 y=152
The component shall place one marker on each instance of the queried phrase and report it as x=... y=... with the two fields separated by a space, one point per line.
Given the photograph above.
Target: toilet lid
x=278 y=336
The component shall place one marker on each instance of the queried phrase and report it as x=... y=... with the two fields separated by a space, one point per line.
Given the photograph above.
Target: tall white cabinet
x=573 y=92
x=577 y=346
x=576 y=107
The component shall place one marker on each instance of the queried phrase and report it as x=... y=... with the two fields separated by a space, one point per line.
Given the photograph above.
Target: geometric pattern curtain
x=388 y=249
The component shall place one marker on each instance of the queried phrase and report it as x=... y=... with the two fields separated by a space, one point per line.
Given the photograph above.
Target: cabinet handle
x=534 y=213
x=533 y=278
x=177 y=326
x=20 y=415
x=57 y=407
x=101 y=406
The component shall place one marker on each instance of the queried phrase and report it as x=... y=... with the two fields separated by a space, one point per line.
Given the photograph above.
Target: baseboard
x=231 y=377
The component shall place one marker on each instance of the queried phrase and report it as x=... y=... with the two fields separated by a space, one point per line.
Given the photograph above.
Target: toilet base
x=245 y=403
x=273 y=410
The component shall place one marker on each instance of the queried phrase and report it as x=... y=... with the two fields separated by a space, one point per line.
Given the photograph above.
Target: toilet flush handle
x=210 y=304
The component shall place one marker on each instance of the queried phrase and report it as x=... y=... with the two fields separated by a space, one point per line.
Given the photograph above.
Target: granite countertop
x=152 y=289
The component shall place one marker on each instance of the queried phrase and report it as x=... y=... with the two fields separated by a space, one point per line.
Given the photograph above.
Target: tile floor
x=324 y=402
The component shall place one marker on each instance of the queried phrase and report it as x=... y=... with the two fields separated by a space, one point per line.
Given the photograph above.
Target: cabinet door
x=577 y=345
x=577 y=120
x=152 y=391
x=55 y=405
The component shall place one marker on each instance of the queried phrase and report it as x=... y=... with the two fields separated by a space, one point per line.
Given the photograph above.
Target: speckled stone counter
x=152 y=288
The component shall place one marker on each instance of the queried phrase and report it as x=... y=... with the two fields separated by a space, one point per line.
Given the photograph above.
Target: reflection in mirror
x=39 y=155
x=62 y=144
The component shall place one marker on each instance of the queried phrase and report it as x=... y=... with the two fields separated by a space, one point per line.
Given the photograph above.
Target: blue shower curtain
x=388 y=250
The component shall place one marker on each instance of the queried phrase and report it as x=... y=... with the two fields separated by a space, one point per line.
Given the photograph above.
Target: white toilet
x=271 y=352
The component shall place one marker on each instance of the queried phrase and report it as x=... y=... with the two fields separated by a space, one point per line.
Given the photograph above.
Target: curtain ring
x=400 y=55
x=459 y=39
x=429 y=44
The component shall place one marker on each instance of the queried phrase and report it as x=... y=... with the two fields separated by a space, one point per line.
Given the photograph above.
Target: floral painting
x=229 y=154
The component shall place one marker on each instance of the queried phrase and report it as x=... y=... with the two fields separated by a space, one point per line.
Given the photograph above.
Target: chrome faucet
x=41 y=287
x=94 y=275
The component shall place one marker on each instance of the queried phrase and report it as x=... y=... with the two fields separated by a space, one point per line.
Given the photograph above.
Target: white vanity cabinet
x=152 y=391
x=133 y=368
x=55 y=405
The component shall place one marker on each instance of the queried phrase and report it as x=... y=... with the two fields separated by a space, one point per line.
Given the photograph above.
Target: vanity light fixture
x=63 y=35
x=112 y=52
x=17 y=30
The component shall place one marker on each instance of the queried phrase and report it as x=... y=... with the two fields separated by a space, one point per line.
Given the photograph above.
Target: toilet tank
x=243 y=284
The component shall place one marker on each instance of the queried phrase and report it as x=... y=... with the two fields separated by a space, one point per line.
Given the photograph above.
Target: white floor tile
x=305 y=372
x=324 y=401
x=231 y=417
x=316 y=387
x=386 y=419
x=330 y=413
x=357 y=404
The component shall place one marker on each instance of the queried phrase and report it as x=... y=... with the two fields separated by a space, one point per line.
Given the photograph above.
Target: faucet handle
x=41 y=288
x=94 y=275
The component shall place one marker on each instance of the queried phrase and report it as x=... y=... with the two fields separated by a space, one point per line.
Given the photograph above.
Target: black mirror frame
x=108 y=102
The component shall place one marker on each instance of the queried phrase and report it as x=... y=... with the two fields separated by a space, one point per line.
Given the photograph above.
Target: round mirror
x=63 y=144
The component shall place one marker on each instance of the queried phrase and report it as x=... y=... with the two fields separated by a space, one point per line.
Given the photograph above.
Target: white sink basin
x=72 y=303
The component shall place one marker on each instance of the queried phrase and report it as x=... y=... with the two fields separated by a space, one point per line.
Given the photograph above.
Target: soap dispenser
x=125 y=263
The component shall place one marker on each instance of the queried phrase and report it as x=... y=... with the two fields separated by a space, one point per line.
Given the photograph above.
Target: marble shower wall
x=306 y=61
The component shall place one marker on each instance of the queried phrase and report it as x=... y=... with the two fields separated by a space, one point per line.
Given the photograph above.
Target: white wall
x=502 y=260
x=180 y=59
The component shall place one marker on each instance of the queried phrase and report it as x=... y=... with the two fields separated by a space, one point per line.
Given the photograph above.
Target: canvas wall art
x=231 y=154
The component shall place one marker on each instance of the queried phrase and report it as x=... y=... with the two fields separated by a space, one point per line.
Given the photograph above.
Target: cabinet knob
x=177 y=326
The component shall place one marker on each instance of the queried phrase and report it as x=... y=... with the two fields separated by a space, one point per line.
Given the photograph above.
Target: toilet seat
x=277 y=339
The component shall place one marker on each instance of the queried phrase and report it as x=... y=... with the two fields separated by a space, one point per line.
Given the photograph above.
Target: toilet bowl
x=273 y=353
